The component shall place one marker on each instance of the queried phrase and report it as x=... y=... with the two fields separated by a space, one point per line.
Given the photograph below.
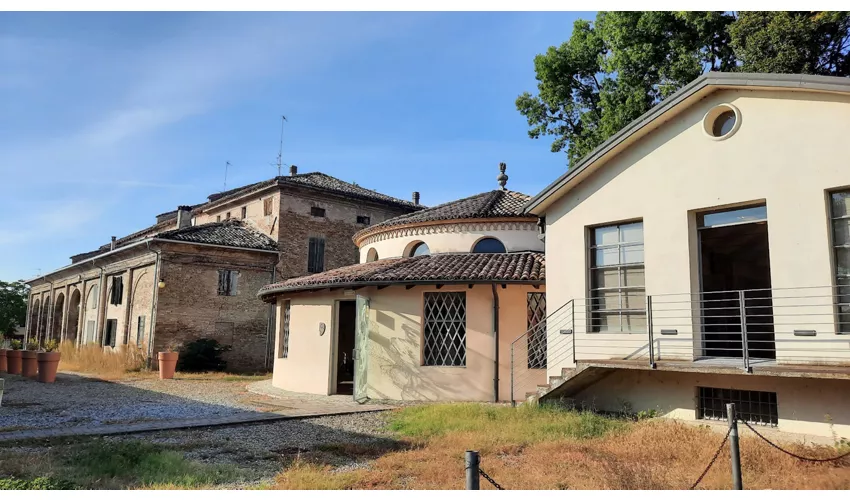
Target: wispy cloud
x=53 y=220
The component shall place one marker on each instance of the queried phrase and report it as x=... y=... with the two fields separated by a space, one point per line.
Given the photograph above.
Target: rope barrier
x=713 y=459
x=798 y=457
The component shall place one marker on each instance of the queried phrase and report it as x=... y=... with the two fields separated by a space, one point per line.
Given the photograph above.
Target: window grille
x=317 y=211
x=316 y=255
x=267 y=206
x=140 y=331
x=536 y=312
x=117 y=291
x=284 y=332
x=840 y=215
x=444 y=326
x=755 y=407
x=617 y=293
x=227 y=282
x=364 y=219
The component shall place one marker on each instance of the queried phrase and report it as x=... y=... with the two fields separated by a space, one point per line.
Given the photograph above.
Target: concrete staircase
x=571 y=382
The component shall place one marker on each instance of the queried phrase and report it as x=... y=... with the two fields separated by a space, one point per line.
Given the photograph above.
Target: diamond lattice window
x=445 y=329
x=536 y=330
x=284 y=332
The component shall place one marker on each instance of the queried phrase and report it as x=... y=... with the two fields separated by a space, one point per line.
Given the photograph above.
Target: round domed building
x=429 y=313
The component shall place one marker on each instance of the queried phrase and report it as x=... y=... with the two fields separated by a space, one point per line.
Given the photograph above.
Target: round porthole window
x=722 y=121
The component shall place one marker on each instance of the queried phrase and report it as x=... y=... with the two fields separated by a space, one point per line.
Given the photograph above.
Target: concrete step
x=574 y=380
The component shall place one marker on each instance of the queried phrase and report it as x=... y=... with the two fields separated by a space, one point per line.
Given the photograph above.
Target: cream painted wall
x=790 y=149
x=307 y=367
x=456 y=239
x=394 y=369
x=804 y=405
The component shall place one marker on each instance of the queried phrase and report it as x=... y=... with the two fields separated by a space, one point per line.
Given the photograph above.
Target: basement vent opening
x=755 y=407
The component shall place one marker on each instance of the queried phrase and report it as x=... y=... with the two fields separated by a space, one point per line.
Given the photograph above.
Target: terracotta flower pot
x=29 y=364
x=4 y=365
x=167 y=364
x=13 y=358
x=48 y=364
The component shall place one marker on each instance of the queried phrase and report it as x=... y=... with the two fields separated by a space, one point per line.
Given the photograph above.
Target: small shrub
x=39 y=483
x=51 y=346
x=16 y=345
x=202 y=355
x=33 y=346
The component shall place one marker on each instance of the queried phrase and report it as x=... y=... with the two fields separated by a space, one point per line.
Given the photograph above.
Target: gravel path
x=75 y=400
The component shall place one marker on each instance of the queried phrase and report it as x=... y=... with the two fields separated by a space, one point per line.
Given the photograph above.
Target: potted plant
x=29 y=360
x=48 y=362
x=167 y=362
x=13 y=357
x=4 y=365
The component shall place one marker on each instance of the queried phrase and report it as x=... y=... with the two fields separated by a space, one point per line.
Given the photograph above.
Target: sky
x=107 y=119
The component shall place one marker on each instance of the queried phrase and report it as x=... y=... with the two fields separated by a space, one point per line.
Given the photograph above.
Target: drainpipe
x=270 y=325
x=154 y=299
x=496 y=342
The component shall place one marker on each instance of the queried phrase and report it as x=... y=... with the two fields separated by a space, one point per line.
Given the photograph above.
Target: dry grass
x=96 y=360
x=652 y=454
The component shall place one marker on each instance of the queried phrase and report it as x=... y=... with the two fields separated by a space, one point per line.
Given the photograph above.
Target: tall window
x=140 y=331
x=840 y=214
x=316 y=255
x=267 y=206
x=93 y=297
x=444 y=329
x=617 y=293
x=536 y=324
x=283 y=351
x=218 y=218
x=227 y=216
x=244 y=212
x=90 y=325
x=117 y=292
x=227 y=279
x=111 y=332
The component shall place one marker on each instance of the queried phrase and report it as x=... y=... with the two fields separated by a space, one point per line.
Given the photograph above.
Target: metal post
x=472 y=478
x=745 y=355
x=513 y=401
x=649 y=330
x=734 y=447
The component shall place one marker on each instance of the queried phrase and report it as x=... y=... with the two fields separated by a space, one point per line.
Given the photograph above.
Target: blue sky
x=110 y=119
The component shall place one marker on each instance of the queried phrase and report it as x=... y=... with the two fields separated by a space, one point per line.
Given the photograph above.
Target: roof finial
x=502 y=178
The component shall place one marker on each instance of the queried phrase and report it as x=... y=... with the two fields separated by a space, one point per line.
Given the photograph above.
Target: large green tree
x=616 y=68
x=13 y=306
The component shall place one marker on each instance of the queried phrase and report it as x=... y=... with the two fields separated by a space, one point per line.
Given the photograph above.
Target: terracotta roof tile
x=448 y=268
x=231 y=233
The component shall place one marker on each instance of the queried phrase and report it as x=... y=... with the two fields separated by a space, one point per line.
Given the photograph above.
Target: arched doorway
x=44 y=318
x=73 y=320
x=58 y=309
x=33 y=323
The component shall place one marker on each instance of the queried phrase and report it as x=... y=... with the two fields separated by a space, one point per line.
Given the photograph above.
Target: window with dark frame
x=140 y=331
x=227 y=216
x=363 y=219
x=755 y=407
x=111 y=332
x=840 y=221
x=284 y=332
x=227 y=279
x=617 y=294
x=317 y=211
x=267 y=206
x=444 y=328
x=244 y=212
x=316 y=255
x=218 y=218
x=536 y=327
x=117 y=291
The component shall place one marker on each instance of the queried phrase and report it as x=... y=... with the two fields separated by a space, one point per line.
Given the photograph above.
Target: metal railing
x=741 y=328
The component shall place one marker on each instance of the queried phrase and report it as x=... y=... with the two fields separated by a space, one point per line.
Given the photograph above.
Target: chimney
x=184 y=216
x=112 y=244
x=416 y=197
x=293 y=169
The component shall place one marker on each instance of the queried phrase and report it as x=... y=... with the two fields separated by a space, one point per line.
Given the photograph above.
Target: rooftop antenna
x=226 y=164
x=280 y=150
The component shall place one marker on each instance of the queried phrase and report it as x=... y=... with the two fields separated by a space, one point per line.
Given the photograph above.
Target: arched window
x=92 y=300
x=371 y=255
x=420 y=249
x=489 y=245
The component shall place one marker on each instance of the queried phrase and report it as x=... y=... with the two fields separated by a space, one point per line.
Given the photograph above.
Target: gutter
x=496 y=343
x=262 y=294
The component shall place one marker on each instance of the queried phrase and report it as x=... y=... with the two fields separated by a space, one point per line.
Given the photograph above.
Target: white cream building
x=730 y=199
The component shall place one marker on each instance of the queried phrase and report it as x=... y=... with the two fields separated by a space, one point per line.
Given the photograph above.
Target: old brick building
x=196 y=272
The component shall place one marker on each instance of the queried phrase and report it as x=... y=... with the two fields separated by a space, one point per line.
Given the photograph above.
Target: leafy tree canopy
x=616 y=68
x=13 y=306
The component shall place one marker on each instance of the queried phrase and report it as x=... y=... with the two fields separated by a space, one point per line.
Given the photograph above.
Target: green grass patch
x=524 y=424
x=140 y=464
x=38 y=483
